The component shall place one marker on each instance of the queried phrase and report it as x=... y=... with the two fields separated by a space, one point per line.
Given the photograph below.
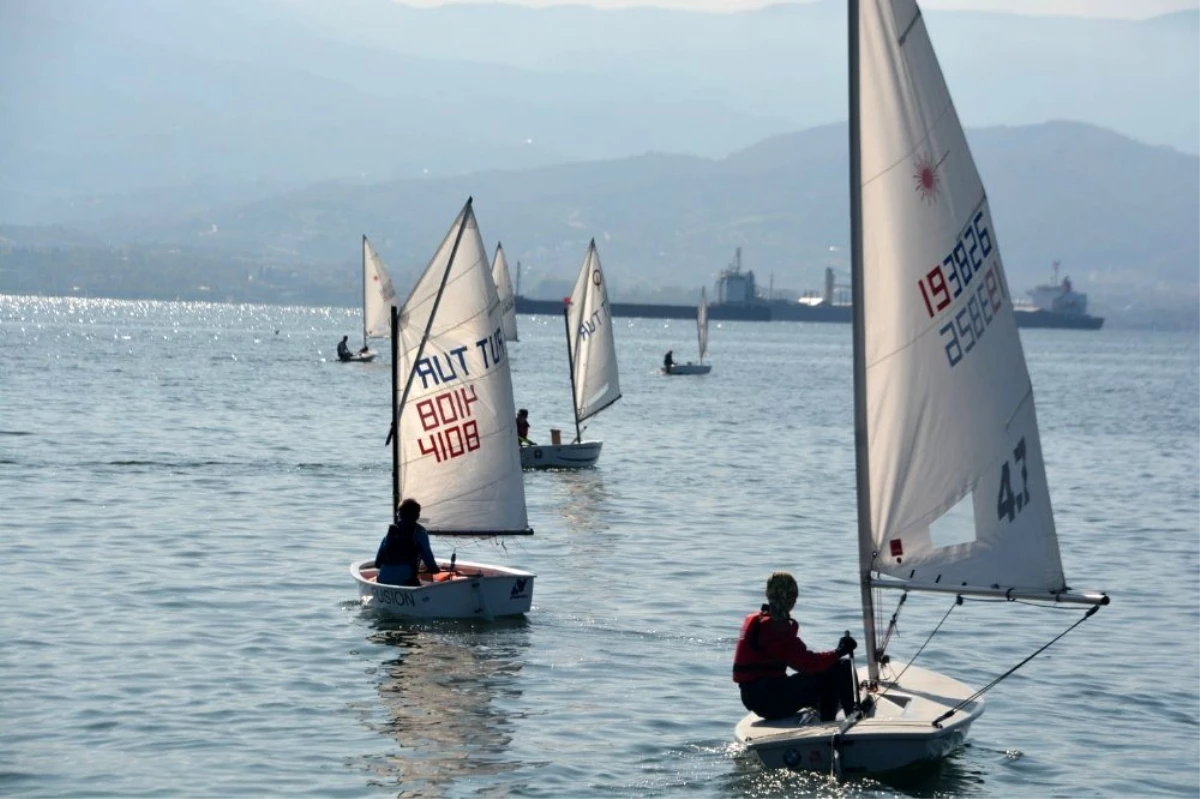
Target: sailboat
x=945 y=427
x=378 y=298
x=453 y=407
x=701 y=368
x=508 y=298
x=592 y=364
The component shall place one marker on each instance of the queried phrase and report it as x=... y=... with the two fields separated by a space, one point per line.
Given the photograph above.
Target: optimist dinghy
x=592 y=363
x=701 y=368
x=455 y=420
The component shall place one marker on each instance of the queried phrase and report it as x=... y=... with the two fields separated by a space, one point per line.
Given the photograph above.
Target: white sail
x=590 y=338
x=458 y=444
x=702 y=324
x=378 y=295
x=508 y=298
x=950 y=416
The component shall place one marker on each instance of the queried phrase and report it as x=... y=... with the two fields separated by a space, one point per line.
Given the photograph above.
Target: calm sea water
x=184 y=486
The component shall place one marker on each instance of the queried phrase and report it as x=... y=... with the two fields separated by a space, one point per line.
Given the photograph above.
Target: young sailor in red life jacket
x=770 y=643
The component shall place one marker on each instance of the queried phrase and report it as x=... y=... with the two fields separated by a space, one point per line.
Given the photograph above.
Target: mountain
x=232 y=100
x=1121 y=216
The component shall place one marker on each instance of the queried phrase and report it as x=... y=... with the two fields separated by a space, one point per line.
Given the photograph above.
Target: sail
x=508 y=298
x=950 y=415
x=458 y=437
x=590 y=338
x=378 y=295
x=702 y=324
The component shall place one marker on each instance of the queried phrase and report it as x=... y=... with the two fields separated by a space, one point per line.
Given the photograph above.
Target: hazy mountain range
x=244 y=145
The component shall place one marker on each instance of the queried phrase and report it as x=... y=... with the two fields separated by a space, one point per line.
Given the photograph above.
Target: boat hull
x=480 y=591
x=564 y=456
x=360 y=357
x=688 y=369
x=897 y=734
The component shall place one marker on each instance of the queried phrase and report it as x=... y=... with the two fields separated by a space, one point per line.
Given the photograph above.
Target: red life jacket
x=765 y=650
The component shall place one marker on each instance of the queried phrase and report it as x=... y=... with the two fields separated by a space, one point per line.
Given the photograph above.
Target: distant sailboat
x=504 y=289
x=592 y=363
x=378 y=298
x=455 y=450
x=701 y=368
x=945 y=428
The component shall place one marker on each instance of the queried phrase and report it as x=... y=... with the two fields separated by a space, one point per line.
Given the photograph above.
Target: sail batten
x=590 y=339
x=951 y=429
x=458 y=455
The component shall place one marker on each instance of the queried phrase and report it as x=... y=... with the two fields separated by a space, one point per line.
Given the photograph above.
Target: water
x=183 y=489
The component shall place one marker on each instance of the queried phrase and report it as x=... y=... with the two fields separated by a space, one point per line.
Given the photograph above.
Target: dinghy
x=592 y=364
x=504 y=289
x=378 y=298
x=701 y=368
x=455 y=416
x=945 y=427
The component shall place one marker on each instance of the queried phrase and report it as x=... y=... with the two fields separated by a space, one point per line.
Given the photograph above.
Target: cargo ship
x=739 y=300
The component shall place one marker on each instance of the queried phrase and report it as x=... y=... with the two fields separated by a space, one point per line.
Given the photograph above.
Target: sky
x=1128 y=9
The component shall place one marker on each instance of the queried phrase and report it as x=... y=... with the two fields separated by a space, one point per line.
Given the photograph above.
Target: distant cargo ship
x=738 y=300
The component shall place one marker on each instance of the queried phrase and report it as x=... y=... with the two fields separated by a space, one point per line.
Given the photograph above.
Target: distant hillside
x=229 y=100
x=1120 y=216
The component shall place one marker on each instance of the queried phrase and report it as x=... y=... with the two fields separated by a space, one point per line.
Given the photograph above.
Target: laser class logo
x=927 y=178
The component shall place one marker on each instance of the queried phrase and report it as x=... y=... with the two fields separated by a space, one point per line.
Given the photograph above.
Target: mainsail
x=378 y=295
x=504 y=289
x=950 y=417
x=590 y=340
x=702 y=324
x=458 y=452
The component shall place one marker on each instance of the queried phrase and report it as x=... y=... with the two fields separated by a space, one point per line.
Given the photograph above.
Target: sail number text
x=446 y=417
x=953 y=277
x=1008 y=502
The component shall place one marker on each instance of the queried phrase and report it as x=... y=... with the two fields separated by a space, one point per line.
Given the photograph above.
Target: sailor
x=668 y=361
x=344 y=353
x=523 y=428
x=404 y=547
x=770 y=643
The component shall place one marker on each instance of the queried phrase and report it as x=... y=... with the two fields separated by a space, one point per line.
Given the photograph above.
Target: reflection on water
x=582 y=500
x=444 y=688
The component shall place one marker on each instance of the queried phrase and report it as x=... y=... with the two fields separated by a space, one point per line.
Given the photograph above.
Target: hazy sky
x=1085 y=8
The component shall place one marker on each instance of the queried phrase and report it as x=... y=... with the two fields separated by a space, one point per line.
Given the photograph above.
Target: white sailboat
x=592 y=363
x=943 y=406
x=378 y=298
x=504 y=289
x=453 y=405
x=701 y=368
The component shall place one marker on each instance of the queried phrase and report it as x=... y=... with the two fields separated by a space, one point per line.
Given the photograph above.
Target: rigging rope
x=938 y=721
x=958 y=600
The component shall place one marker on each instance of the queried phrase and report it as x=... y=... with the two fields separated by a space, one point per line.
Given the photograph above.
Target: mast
x=866 y=545
x=395 y=416
x=364 y=282
x=571 y=368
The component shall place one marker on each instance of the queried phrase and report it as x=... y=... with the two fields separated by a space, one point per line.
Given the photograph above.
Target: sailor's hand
x=846 y=646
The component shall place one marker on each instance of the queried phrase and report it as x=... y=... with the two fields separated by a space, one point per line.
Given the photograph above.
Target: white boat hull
x=898 y=733
x=564 y=456
x=479 y=591
x=688 y=369
x=361 y=357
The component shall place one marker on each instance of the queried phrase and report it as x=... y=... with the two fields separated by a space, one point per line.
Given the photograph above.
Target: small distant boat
x=378 y=298
x=455 y=425
x=504 y=289
x=701 y=368
x=951 y=484
x=592 y=364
